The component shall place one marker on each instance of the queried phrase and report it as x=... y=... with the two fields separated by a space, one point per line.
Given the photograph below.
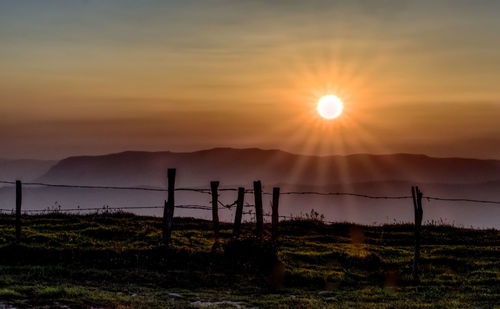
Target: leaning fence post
x=214 y=185
x=168 y=210
x=239 y=212
x=19 y=199
x=275 y=215
x=417 y=207
x=257 y=191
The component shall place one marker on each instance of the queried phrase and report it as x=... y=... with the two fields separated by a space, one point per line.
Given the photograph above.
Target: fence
x=169 y=206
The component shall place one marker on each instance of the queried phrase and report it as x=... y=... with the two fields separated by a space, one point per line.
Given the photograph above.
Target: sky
x=102 y=76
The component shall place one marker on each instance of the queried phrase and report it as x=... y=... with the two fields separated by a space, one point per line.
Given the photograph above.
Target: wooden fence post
x=214 y=185
x=168 y=210
x=257 y=191
x=19 y=199
x=239 y=212
x=275 y=215
x=417 y=207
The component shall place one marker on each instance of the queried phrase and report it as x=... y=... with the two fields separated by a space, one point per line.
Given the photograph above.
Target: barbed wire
x=208 y=191
x=345 y=194
x=200 y=190
x=107 y=209
x=59 y=209
x=429 y=198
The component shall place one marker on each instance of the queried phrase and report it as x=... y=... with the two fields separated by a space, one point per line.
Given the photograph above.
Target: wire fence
x=208 y=191
x=216 y=205
x=117 y=208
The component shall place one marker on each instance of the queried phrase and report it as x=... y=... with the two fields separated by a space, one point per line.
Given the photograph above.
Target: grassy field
x=114 y=260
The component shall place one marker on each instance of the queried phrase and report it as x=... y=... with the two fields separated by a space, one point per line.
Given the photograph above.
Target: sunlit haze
x=94 y=77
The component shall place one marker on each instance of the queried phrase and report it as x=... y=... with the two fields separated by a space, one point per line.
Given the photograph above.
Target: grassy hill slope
x=114 y=260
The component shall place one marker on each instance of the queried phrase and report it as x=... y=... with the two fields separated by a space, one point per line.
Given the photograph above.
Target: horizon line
x=248 y=148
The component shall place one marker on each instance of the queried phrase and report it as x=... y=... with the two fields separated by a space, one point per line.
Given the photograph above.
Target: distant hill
x=242 y=166
x=24 y=169
x=386 y=175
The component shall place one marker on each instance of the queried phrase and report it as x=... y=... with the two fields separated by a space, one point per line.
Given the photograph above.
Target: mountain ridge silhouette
x=241 y=166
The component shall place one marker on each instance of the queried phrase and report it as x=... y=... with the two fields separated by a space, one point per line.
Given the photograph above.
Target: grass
x=114 y=260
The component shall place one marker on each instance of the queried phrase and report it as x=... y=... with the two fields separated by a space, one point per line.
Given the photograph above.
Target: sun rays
x=350 y=131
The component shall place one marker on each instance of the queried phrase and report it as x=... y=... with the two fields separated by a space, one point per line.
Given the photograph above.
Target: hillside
x=386 y=175
x=242 y=166
x=114 y=261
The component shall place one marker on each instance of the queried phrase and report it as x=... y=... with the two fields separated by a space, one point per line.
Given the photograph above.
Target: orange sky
x=88 y=77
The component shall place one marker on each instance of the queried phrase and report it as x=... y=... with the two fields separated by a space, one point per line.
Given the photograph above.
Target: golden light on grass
x=330 y=107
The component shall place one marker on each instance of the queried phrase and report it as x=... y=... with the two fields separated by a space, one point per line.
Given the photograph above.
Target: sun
x=330 y=106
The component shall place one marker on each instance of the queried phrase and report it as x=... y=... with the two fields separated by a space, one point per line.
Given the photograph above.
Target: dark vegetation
x=115 y=260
